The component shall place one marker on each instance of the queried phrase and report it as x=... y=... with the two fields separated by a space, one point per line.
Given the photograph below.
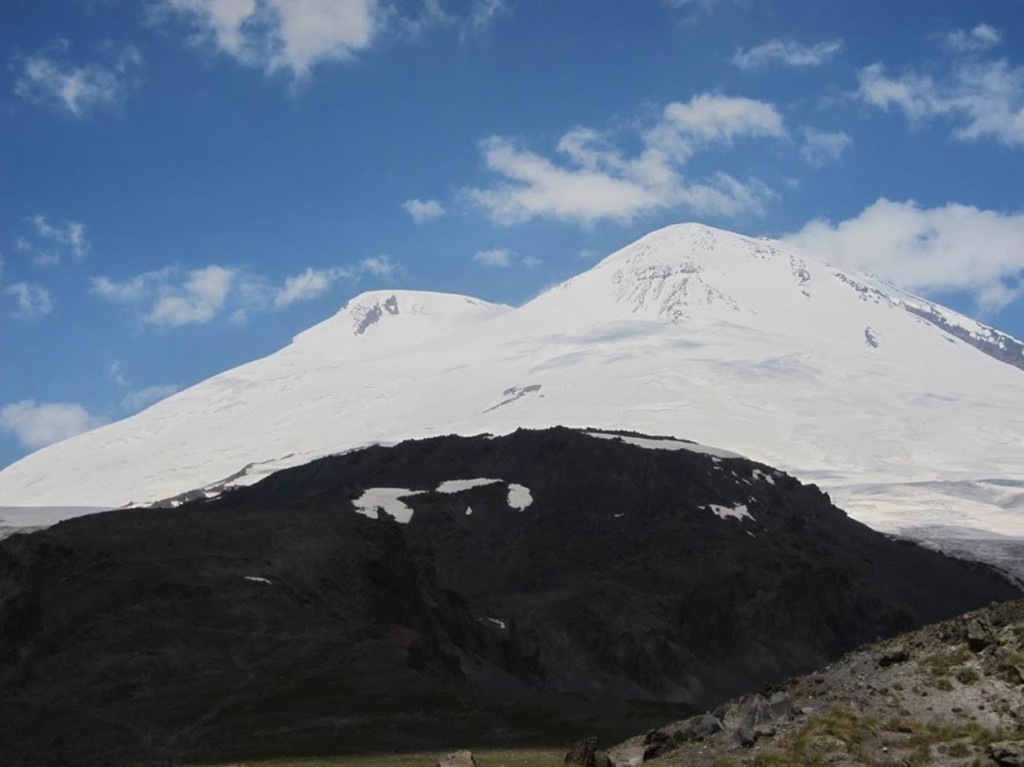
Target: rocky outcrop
x=949 y=694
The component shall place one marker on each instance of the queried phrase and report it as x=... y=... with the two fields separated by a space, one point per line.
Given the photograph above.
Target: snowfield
x=908 y=413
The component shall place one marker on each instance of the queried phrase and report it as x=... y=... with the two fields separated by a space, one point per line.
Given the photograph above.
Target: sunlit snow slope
x=907 y=412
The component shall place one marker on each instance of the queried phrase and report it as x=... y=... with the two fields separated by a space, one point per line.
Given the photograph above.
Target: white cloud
x=315 y=282
x=709 y=118
x=932 y=250
x=597 y=181
x=302 y=287
x=143 y=398
x=378 y=266
x=823 y=147
x=36 y=425
x=194 y=297
x=423 y=210
x=982 y=100
x=787 y=53
x=46 y=78
x=31 y=301
x=128 y=291
x=283 y=35
x=196 y=301
x=495 y=257
x=503 y=258
x=981 y=38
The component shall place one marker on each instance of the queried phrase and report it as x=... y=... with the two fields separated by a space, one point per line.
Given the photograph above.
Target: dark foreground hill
x=564 y=583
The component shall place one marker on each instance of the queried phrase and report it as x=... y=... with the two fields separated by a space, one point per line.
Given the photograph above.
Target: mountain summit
x=905 y=411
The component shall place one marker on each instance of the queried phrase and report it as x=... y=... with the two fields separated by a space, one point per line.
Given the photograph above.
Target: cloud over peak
x=932 y=250
x=594 y=180
x=176 y=298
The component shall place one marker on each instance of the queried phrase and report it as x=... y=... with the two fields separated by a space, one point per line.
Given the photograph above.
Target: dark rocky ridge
x=140 y=635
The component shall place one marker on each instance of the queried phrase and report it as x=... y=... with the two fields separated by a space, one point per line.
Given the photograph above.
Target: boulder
x=458 y=759
x=627 y=755
x=779 y=705
x=582 y=753
x=894 y=655
x=1007 y=753
x=979 y=634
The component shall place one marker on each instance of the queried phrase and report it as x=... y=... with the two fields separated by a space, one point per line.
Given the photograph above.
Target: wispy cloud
x=823 y=147
x=48 y=77
x=503 y=258
x=981 y=38
x=36 y=425
x=48 y=243
x=981 y=100
x=595 y=180
x=312 y=283
x=175 y=297
x=423 y=210
x=140 y=399
x=31 y=301
x=932 y=250
x=468 y=18
x=788 y=53
x=482 y=15
x=117 y=374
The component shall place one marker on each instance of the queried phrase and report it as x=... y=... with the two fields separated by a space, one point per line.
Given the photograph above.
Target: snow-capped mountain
x=905 y=411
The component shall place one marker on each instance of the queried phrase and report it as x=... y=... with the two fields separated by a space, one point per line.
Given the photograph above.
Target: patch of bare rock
x=951 y=694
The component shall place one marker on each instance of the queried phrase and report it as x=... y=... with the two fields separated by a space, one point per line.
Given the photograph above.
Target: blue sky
x=185 y=184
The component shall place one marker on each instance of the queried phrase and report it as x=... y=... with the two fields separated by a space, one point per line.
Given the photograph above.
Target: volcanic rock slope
x=907 y=412
x=440 y=592
x=947 y=695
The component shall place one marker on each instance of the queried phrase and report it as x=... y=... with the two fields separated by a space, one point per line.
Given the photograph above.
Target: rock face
x=539 y=571
x=950 y=700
